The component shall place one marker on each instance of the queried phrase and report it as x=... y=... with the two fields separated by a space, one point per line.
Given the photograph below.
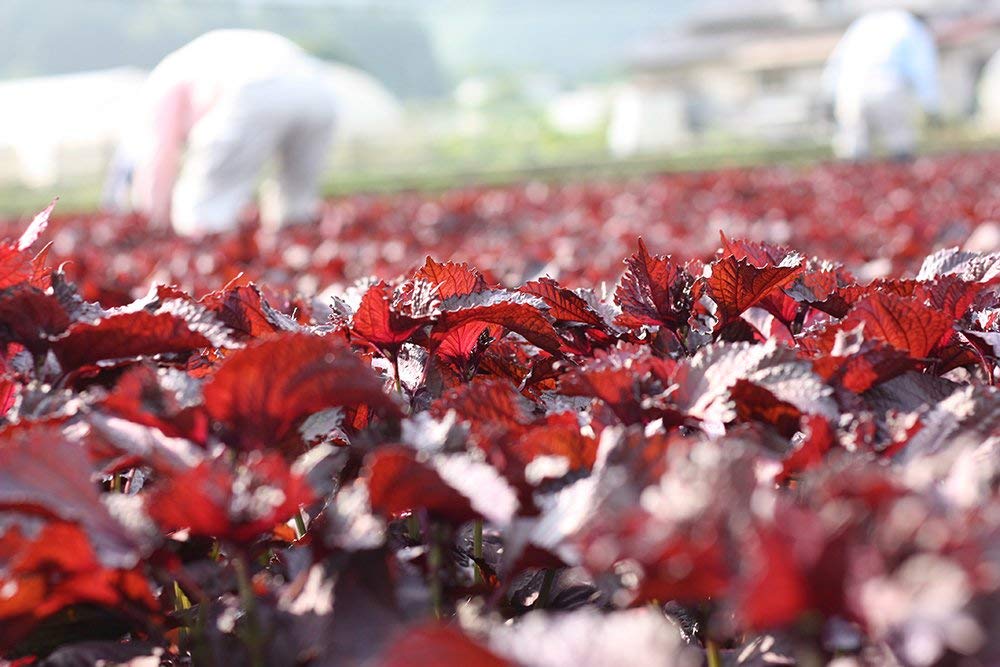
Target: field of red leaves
x=731 y=418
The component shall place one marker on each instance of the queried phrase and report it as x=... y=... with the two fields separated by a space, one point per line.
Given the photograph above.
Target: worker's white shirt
x=881 y=55
x=211 y=74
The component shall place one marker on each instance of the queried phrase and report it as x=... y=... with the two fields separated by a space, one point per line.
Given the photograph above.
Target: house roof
x=749 y=40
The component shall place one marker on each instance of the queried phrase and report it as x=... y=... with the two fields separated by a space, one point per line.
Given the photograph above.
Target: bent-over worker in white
x=212 y=114
x=883 y=67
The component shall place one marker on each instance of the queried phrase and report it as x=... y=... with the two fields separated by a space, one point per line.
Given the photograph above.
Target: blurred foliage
x=517 y=147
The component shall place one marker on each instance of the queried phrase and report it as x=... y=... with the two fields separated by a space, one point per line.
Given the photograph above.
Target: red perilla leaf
x=653 y=291
x=674 y=566
x=43 y=473
x=386 y=318
x=242 y=308
x=906 y=324
x=398 y=483
x=435 y=645
x=124 y=336
x=154 y=398
x=775 y=591
x=704 y=381
x=487 y=403
x=846 y=358
x=622 y=378
x=451 y=278
x=453 y=488
x=954 y=296
x=736 y=284
x=239 y=504
x=819 y=439
x=760 y=255
x=37 y=226
x=17 y=265
x=755 y=403
x=514 y=311
x=969 y=266
x=564 y=304
x=461 y=345
x=260 y=394
x=561 y=440
x=55 y=568
x=30 y=317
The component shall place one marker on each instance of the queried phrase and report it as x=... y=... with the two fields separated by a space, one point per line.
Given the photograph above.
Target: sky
x=571 y=39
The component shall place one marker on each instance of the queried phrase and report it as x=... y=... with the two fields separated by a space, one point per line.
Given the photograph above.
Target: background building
x=754 y=70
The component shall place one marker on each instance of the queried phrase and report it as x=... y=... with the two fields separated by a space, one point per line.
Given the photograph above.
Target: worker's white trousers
x=885 y=118
x=289 y=121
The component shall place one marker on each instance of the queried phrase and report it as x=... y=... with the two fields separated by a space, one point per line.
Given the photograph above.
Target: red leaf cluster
x=322 y=446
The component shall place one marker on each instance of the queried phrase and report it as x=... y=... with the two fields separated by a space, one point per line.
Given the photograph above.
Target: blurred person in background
x=988 y=97
x=211 y=116
x=884 y=66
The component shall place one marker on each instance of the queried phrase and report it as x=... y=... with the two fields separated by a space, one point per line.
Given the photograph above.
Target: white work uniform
x=230 y=101
x=885 y=62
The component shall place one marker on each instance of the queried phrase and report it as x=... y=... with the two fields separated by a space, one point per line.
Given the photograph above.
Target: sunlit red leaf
x=44 y=573
x=654 y=291
x=451 y=278
x=36 y=227
x=17 y=264
x=736 y=284
x=819 y=439
x=467 y=342
x=954 y=296
x=754 y=403
x=564 y=304
x=126 y=335
x=486 y=403
x=704 y=381
x=969 y=266
x=384 y=320
x=261 y=393
x=154 y=398
x=514 y=311
x=905 y=324
x=622 y=378
x=399 y=483
x=242 y=309
x=239 y=505
x=561 y=440
x=860 y=368
x=673 y=566
x=758 y=254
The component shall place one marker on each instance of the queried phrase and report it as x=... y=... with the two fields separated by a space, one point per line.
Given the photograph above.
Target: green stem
x=252 y=636
x=477 y=549
x=182 y=603
x=413 y=527
x=714 y=657
x=434 y=562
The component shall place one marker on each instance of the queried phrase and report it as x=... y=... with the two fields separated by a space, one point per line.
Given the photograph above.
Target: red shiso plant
x=753 y=451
